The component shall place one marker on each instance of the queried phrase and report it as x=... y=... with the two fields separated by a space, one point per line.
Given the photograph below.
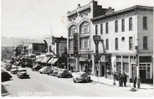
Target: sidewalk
x=109 y=82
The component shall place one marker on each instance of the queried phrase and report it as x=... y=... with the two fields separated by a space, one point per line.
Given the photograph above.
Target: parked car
x=55 y=72
x=81 y=77
x=5 y=76
x=22 y=73
x=14 y=69
x=46 y=70
x=8 y=66
x=64 y=74
x=36 y=67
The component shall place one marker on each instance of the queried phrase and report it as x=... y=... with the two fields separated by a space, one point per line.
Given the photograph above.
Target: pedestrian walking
x=125 y=79
x=120 y=80
x=134 y=82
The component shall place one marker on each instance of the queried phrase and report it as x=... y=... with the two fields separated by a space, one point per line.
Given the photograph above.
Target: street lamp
x=96 y=39
x=137 y=67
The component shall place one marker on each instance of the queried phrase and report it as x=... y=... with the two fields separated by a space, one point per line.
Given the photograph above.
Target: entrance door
x=102 y=69
x=143 y=75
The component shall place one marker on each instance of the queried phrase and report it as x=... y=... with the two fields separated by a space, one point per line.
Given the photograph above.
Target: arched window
x=72 y=30
x=84 y=28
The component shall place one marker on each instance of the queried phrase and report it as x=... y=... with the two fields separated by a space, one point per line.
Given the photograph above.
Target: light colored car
x=81 y=77
x=64 y=73
x=22 y=73
x=46 y=70
x=14 y=69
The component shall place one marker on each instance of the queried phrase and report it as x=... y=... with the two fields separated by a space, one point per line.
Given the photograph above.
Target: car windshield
x=22 y=71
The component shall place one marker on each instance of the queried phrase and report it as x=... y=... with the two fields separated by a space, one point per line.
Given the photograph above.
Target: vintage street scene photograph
x=85 y=48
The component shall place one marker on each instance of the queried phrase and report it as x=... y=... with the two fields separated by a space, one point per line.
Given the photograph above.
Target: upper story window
x=96 y=29
x=116 y=26
x=123 y=25
x=130 y=43
x=145 y=27
x=145 y=42
x=70 y=44
x=107 y=44
x=106 y=27
x=84 y=28
x=72 y=30
x=84 y=43
x=101 y=28
x=116 y=44
x=130 y=24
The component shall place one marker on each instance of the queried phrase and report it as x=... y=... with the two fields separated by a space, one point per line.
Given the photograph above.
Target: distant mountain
x=12 y=41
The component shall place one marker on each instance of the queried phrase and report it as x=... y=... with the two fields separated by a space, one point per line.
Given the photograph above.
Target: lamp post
x=96 y=39
x=137 y=67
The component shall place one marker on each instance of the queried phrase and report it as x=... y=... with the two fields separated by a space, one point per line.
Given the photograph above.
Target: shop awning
x=45 y=59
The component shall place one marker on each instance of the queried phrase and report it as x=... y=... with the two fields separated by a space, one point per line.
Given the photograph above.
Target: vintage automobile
x=80 y=77
x=46 y=70
x=22 y=73
x=14 y=69
x=55 y=72
x=36 y=67
x=64 y=73
x=5 y=76
x=8 y=66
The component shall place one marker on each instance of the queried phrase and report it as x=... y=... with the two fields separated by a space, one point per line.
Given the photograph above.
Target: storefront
x=85 y=63
x=145 y=69
x=105 y=65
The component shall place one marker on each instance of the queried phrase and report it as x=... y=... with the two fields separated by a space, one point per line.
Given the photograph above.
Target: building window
x=145 y=42
x=84 y=42
x=107 y=44
x=107 y=27
x=145 y=23
x=84 y=28
x=72 y=30
x=130 y=43
x=116 y=44
x=122 y=25
x=123 y=38
x=96 y=28
x=70 y=44
x=130 y=24
x=116 y=26
x=101 y=28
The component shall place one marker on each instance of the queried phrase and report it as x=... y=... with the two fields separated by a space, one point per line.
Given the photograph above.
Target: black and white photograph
x=81 y=48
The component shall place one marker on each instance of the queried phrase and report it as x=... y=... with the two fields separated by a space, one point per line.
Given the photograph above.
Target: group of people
x=122 y=78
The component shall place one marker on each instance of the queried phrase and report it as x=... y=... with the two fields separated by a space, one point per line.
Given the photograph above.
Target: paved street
x=45 y=85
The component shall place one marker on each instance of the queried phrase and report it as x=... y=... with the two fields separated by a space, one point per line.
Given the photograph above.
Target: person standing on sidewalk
x=124 y=79
x=134 y=82
x=120 y=80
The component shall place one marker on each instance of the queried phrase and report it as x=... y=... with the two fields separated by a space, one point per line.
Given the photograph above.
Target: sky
x=41 y=18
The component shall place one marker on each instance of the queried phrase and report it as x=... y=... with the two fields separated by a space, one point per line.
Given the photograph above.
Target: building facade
x=60 y=45
x=80 y=35
x=128 y=38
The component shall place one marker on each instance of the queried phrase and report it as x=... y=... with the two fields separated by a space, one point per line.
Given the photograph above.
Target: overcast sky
x=38 y=18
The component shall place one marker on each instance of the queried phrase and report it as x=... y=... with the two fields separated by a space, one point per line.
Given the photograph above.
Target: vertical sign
x=75 y=44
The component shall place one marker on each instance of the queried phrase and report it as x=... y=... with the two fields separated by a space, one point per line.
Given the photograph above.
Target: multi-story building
x=127 y=36
x=80 y=35
x=59 y=45
x=36 y=48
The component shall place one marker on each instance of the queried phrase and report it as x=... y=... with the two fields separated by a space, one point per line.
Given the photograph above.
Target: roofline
x=133 y=8
x=79 y=9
